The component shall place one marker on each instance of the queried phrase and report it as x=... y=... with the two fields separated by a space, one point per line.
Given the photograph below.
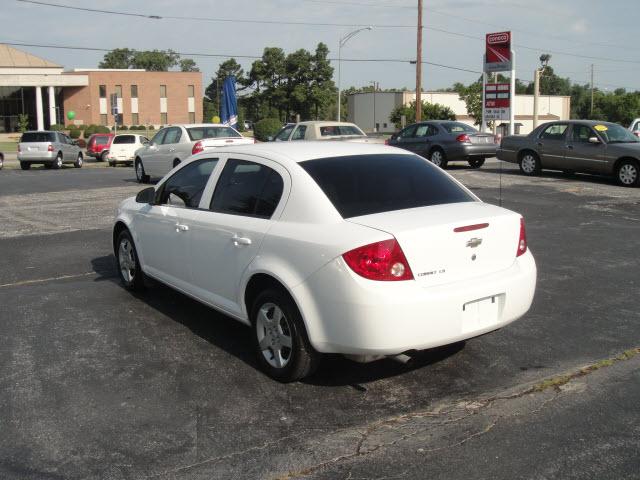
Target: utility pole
x=419 y=66
x=591 y=114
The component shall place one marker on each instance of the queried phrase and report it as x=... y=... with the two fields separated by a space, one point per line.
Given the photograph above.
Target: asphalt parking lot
x=96 y=383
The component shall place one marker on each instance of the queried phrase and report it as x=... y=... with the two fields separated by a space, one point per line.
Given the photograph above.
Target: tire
x=79 y=161
x=25 y=165
x=57 y=163
x=141 y=176
x=112 y=164
x=628 y=173
x=438 y=158
x=1 y=161
x=103 y=156
x=176 y=162
x=127 y=263
x=282 y=348
x=529 y=164
x=476 y=162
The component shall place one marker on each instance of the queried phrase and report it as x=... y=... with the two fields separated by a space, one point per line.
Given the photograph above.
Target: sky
x=577 y=34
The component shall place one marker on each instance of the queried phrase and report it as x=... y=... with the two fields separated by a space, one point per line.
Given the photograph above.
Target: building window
x=134 y=91
x=190 y=91
x=385 y=125
x=192 y=117
x=134 y=119
x=119 y=91
x=163 y=91
x=103 y=119
x=103 y=91
x=163 y=118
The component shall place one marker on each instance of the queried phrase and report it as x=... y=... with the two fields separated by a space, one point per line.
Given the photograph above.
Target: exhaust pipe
x=401 y=358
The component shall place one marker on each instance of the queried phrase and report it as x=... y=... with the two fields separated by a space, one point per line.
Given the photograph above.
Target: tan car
x=323 y=130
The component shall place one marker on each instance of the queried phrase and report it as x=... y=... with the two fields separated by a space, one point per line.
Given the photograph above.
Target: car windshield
x=198 y=133
x=31 y=137
x=613 y=133
x=366 y=184
x=124 y=139
x=457 y=127
x=335 y=130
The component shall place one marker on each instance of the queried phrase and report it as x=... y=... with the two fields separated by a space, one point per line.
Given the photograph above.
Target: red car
x=98 y=145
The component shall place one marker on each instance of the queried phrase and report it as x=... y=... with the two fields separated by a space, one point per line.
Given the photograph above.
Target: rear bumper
x=345 y=313
x=467 y=151
x=507 y=155
x=37 y=157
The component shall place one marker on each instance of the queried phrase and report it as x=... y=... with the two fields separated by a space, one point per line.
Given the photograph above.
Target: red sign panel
x=498 y=52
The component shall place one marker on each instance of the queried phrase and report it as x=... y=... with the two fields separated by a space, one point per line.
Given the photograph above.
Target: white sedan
x=323 y=247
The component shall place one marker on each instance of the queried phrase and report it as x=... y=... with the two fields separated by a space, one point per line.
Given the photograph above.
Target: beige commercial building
x=46 y=93
x=371 y=111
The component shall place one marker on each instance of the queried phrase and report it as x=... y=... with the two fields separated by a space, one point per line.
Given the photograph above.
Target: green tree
x=155 y=60
x=23 y=122
x=117 y=58
x=430 y=111
x=188 y=65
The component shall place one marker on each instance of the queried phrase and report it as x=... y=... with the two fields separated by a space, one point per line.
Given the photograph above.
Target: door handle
x=237 y=241
x=181 y=228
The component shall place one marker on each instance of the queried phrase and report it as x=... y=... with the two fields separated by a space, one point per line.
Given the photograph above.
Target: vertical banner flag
x=228 y=103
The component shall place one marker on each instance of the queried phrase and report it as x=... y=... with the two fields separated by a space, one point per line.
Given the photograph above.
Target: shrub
x=81 y=127
x=151 y=127
x=75 y=133
x=56 y=127
x=265 y=128
x=123 y=127
x=90 y=130
x=102 y=129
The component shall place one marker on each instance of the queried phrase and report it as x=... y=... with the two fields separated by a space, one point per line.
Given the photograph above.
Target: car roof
x=580 y=122
x=189 y=125
x=324 y=122
x=295 y=152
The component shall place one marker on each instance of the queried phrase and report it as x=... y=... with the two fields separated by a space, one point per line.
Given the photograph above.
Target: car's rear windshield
x=457 y=127
x=101 y=140
x=198 y=133
x=32 y=137
x=124 y=139
x=332 y=130
x=365 y=184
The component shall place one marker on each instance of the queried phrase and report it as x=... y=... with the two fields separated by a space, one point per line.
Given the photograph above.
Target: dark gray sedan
x=443 y=141
x=577 y=146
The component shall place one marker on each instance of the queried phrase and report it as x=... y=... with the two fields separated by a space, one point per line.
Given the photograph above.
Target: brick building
x=144 y=98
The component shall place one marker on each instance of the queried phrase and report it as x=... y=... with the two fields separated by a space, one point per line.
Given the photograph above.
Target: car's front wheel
x=529 y=164
x=628 y=173
x=128 y=264
x=281 y=342
x=1 y=161
x=141 y=176
x=476 y=162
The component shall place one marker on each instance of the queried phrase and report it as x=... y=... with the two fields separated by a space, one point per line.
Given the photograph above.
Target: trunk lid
x=437 y=254
x=224 y=142
x=482 y=138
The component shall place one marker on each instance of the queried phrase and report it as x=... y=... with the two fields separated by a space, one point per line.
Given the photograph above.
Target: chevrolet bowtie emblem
x=474 y=242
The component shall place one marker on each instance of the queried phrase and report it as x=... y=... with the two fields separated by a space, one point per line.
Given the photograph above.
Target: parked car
x=1 y=160
x=444 y=141
x=49 y=148
x=175 y=143
x=316 y=250
x=123 y=148
x=634 y=127
x=322 y=130
x=577 y=146
x=98 y=145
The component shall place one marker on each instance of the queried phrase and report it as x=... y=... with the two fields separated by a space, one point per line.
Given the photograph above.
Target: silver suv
x=49 y=148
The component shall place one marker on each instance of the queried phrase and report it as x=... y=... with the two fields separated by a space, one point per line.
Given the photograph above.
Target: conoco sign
x=498 y=52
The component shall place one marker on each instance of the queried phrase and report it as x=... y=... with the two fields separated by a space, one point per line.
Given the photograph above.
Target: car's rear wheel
x=129 y=269
x=1 y=161
x=112 y=164
x=476 y=162
x=141 y=176
x=103 y=156
x=438 y=158
x=57 y=163
x=176 y=162
x=529 y=164
x=628 y=173
x=25 y=165
x=281 y=341
x=79 y=161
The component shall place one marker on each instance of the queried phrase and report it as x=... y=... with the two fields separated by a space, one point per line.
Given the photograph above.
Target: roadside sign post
x=497 y=102
x=113 y=100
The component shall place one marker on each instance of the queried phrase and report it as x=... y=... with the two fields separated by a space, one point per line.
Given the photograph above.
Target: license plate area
x=482 y=313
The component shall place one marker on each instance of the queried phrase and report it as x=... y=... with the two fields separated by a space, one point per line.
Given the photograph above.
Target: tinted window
x=184 y=188
x=457 y=127
x=172 y=136
x=408 y=132
x=364 y=184
x=283 y=135
x=198 y=133
x=124 y=139
x=29 y=137
x=554 y=132
x=247 y=188
x=299 y=133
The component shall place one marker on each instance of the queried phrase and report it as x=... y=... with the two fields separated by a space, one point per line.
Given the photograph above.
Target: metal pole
x=419 y=66
x=536 y=96
x=512 y=94
x=339 y=73
x=483 y=124
x=591 y=114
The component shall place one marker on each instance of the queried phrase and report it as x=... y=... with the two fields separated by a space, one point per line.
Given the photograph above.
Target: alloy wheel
x=274 y=335
x=127 y=260
x=436 y=158
x=529 y=163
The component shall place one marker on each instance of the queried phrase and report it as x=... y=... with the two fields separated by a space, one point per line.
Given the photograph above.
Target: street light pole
x=419 y=66
x=544 y=61
x=341 y=43
x=375 y=88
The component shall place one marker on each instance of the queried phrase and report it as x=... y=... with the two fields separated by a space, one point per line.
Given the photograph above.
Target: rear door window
x=198 y=133
x=366 y=184
x=247 y=188
x=554 y=132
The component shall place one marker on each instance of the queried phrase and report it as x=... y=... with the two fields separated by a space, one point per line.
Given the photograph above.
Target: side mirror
x=594 y=140
x=148 y=195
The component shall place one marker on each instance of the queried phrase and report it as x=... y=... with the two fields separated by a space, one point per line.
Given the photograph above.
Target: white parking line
x=50 y=279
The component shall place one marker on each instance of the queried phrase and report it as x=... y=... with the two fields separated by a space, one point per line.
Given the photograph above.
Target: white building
x=369 y=110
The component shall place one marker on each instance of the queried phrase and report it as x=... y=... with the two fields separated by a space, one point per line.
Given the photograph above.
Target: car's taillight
x=197 y=148
x=463 y=138
x=522 y=240
x=379 y=261
x=50 y=148
x=386 y=141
